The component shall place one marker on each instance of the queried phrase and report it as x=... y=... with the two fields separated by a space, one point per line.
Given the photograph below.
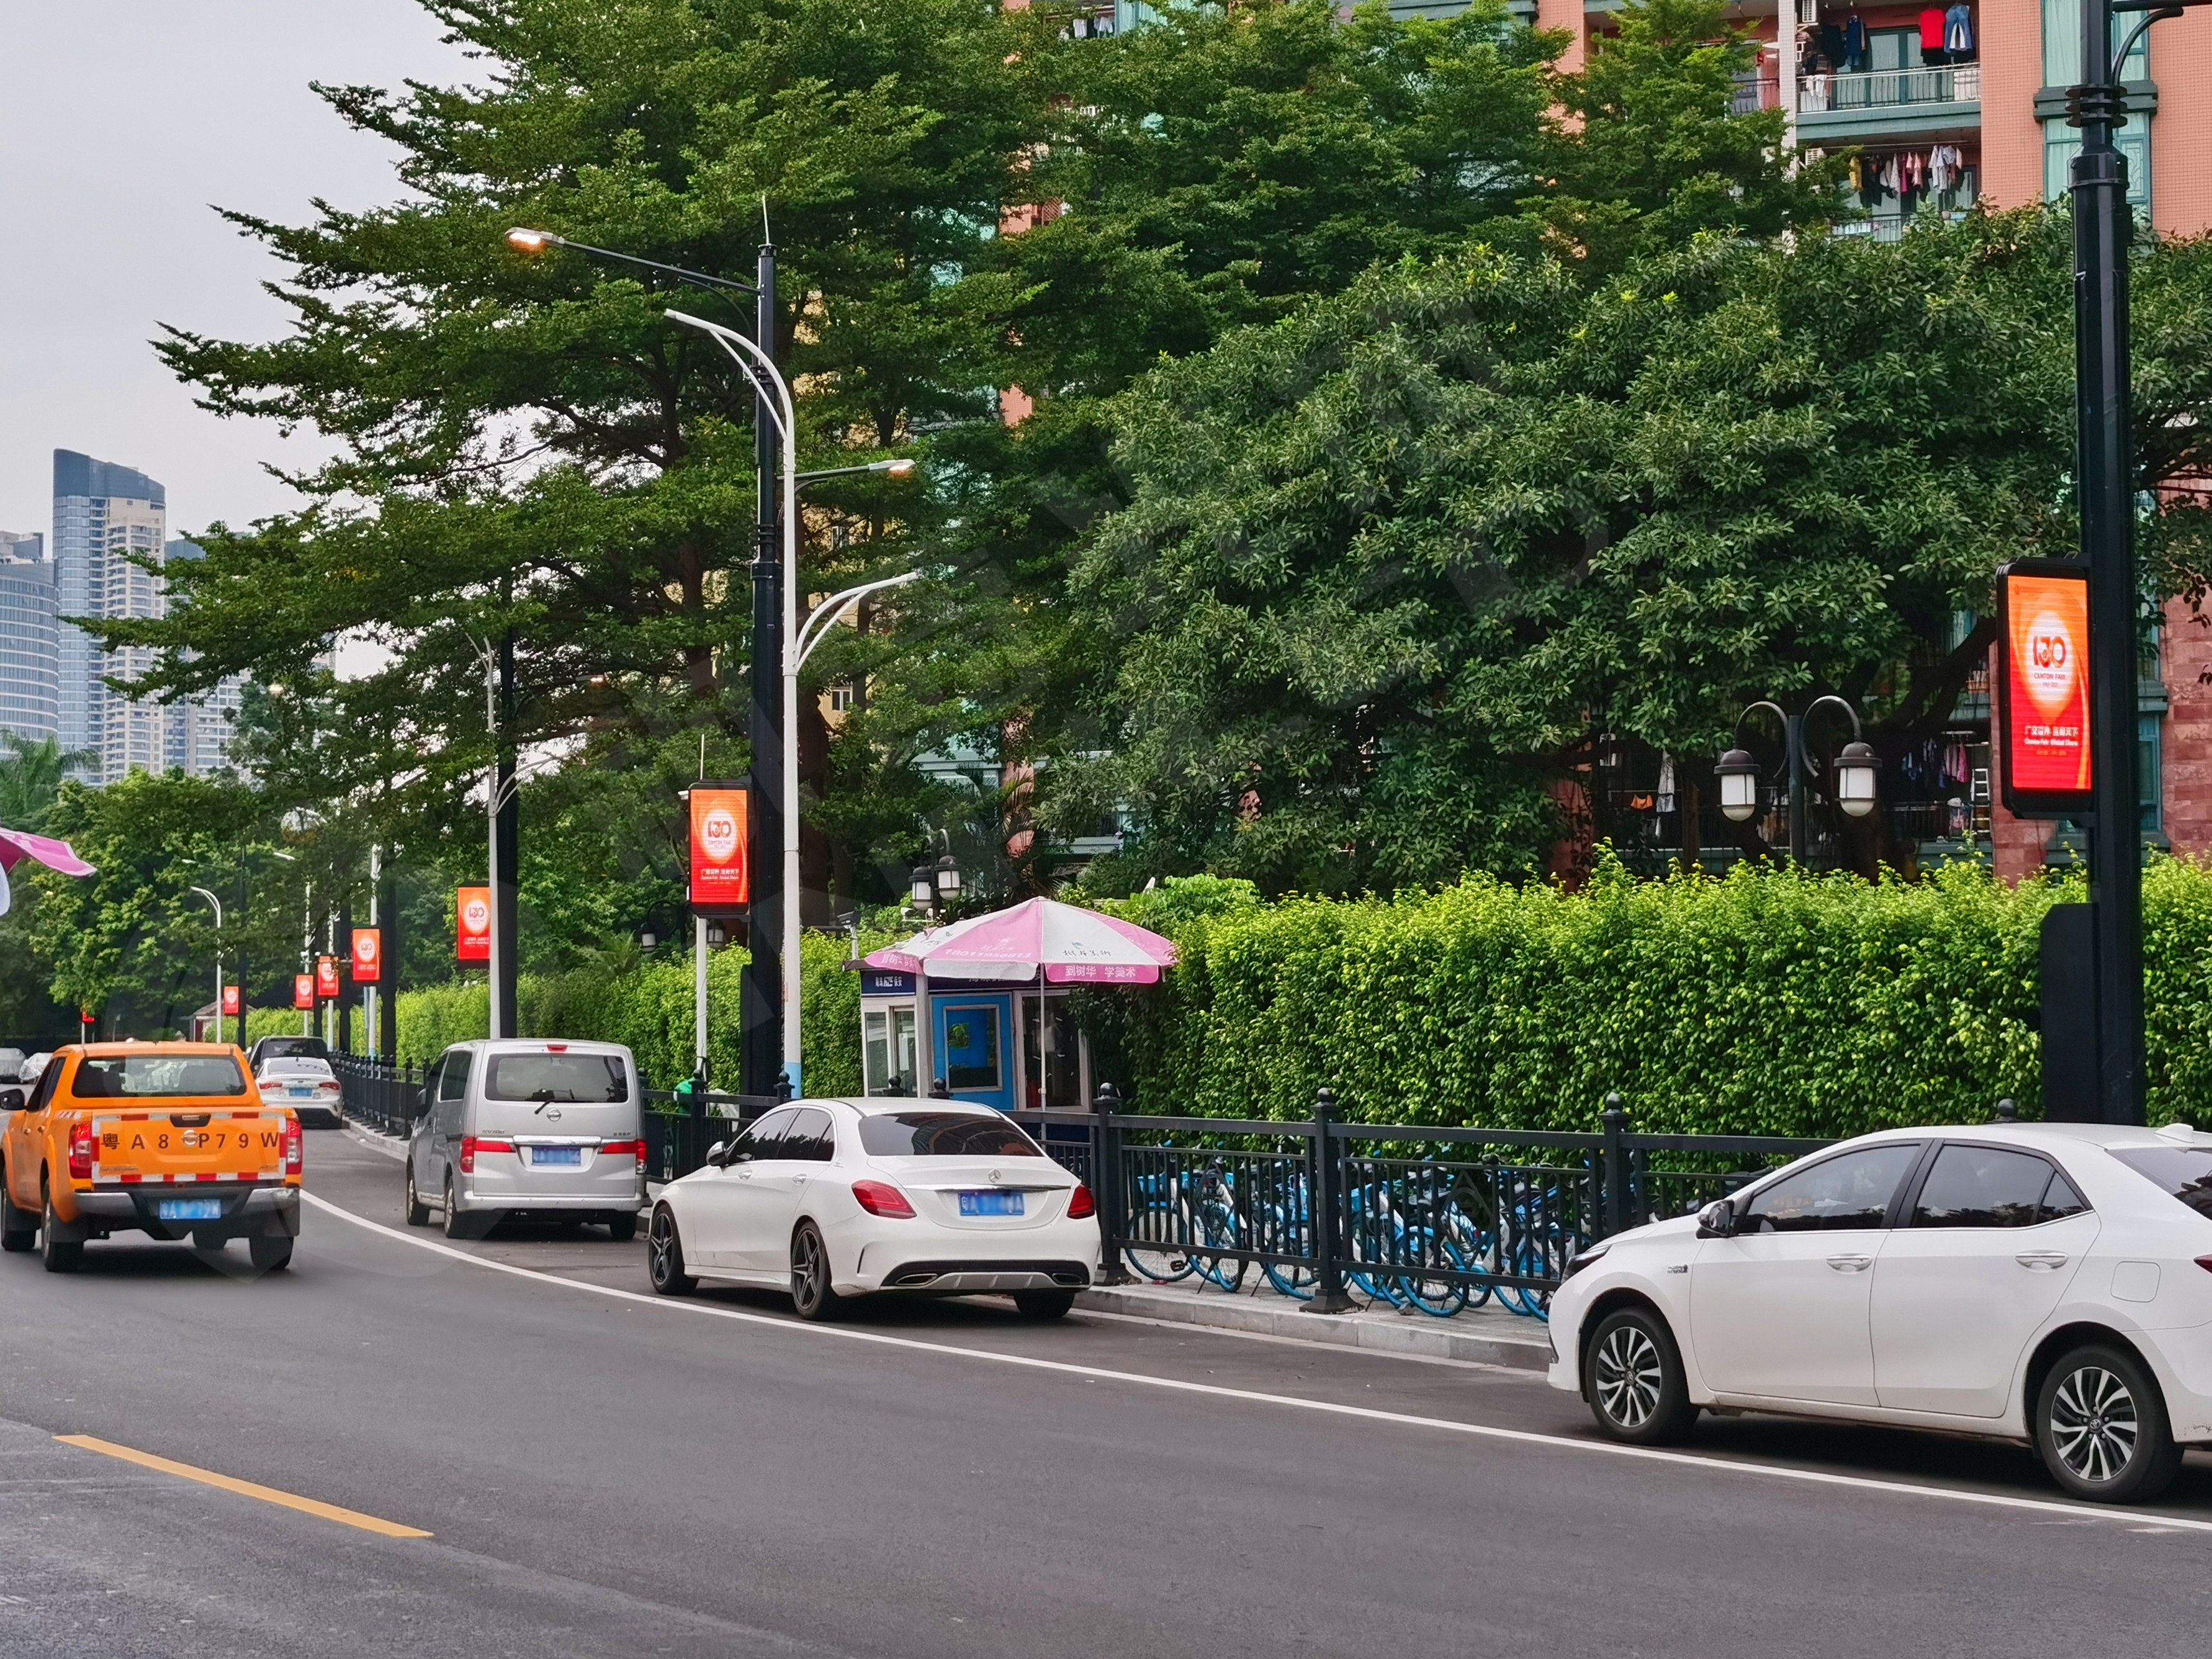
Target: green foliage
x=1766 y=1003
x=270 y=1022
x=435 y=1018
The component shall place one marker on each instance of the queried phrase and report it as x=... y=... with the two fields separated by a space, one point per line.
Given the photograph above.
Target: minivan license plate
x=190 y=1209
x=543 y=1157
x=990 y=1203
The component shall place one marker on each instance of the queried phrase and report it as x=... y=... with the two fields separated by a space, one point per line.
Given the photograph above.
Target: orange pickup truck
x=170 y=1139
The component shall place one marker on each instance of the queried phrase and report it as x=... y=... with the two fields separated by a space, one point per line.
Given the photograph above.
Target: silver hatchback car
x=527 y=1128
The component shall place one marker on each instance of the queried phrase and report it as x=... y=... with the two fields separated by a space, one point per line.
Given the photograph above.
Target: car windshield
x=588 y=1078
x=276 y=1048
x=151 y=1077
x=2186 y=1172
x=944 y=1134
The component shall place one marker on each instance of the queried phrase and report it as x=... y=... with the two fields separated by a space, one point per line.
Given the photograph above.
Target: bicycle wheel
x=1167 y=1261
x=1217 y=1227
x=1477 y=1255
x=1440 y=1298
x=1281 y=1235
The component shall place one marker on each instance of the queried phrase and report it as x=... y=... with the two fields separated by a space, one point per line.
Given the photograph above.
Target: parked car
x=267 y=1048
x=305 y=1083
x=169 y=1138
x=832 y=1199
x=2049 y=1283
x=528 y=1129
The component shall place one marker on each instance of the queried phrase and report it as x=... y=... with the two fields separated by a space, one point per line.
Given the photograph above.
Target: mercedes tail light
x=84 y=1140
x=294 y=1147
x=1080 y=1203
x=881 y=1197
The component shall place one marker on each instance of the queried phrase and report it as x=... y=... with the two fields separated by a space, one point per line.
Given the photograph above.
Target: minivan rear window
x=156 y=1077
x=563 y=1078
x=944 y=1134
x=2184 y=1171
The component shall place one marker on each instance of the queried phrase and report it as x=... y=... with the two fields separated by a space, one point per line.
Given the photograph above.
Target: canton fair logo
x=475 y=916
x=2049 y=669
x=364 y=950
x=718 y=834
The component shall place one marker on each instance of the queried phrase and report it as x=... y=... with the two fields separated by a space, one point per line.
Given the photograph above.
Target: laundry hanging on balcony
x=1959 y=29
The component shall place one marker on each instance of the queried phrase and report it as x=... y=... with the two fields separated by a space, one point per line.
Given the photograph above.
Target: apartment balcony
x=1889 y=105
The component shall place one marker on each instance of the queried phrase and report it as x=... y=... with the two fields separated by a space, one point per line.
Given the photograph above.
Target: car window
x=944 y=1134
x=270 y=1047
x=43 y=1089
x=812 y=1139
x=2183 y=1172
x=1851 y=1192
x=453 y=1074
x=1990 y=1186
x=766 y=1137
x=155 y=1077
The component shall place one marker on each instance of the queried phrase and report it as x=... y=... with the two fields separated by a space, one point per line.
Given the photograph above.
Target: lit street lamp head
x=1739 y=776
x=525 y=240
x=902 y=468
x=1855 y=769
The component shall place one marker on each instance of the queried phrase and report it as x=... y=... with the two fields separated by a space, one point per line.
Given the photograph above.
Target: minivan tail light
x=471 y=1145
x=294 y=1147
x=623 y=1149
x=881 y=1197
x=1080 y=1203
x=82 y=1139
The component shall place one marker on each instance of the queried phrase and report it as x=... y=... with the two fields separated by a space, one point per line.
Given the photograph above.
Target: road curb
x=1432 y=1338
x=385 y=1144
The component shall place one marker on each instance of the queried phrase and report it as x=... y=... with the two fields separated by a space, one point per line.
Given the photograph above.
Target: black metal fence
x=679 y=1128
x=1438 y=1219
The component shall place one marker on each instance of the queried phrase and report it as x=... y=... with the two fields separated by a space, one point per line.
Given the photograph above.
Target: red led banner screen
x=473 y=924
x=2042 y=688
x=367 y=955
x=326 y=978
x=303 y=990
x=230 y=999
x=720 y=880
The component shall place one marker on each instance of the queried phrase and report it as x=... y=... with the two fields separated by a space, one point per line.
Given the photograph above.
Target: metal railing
x=1959 y=83
x=679 y=1128
x=1438 y=1219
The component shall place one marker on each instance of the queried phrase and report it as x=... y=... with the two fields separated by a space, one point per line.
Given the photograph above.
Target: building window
x=2149 y=787
x=841 y=699
x=2061 y=68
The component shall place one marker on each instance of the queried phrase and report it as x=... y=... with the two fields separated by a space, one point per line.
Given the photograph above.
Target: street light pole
x=1855 y=768
x=217 y=903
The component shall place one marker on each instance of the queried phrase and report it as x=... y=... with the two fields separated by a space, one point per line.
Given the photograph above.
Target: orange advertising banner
x=303 y=990
x=367 y=955
x=2044 y=688
x=720 y=878
x=230 y=999
x=326 y=977
x=473 y=924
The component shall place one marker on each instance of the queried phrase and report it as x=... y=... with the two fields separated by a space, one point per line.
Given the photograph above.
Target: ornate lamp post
x=1856 y=766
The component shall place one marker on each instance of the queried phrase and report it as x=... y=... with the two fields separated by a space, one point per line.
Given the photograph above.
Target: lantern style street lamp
x=1856 y=765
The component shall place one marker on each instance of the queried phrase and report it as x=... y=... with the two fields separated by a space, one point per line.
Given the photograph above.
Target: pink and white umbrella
x=17 y=845
x=1064 y=943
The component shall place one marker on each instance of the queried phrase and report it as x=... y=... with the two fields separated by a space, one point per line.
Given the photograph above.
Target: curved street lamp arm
x=730 y=340
x=827 y=613
x=1815 y=707
x=215 y=902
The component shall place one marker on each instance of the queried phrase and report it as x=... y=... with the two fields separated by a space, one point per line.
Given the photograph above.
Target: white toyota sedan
x=834 y=1199
x=2049 y=1283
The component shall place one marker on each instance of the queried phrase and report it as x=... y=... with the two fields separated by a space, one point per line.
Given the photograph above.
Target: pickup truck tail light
x=294 y=1147
x=82 y=1141
x=471 y=1145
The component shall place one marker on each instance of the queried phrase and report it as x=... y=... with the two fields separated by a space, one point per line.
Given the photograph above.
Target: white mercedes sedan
x=2048 y=1284
x=836 y=1198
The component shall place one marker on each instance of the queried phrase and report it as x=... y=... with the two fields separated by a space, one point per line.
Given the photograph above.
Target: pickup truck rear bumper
x=248 y=1213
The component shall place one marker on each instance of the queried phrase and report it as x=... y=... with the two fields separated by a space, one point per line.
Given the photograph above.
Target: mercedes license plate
x=990 y=1203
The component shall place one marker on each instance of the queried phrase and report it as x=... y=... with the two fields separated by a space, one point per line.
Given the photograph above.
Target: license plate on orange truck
x=156 y=1147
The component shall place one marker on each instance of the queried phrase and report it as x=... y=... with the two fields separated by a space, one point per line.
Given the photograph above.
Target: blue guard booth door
x=974 y=1046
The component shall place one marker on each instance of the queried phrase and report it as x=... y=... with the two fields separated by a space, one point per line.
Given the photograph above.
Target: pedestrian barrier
x=1432 y=1217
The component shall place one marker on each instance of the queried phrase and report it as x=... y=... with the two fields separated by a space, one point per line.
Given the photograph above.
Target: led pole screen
x=367 y=955
x=303 y=990
x=721 y=883
x=473 y=924
x=2043 y=690
x=326 y=978
x=230 y=999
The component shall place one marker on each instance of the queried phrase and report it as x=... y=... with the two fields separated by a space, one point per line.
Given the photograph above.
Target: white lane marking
x=1368 y=1413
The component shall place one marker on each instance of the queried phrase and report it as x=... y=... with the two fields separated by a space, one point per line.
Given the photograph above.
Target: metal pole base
x=1329 y=1302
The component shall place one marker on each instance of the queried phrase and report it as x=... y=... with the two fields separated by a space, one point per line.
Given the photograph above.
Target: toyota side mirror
x=1717 y=1220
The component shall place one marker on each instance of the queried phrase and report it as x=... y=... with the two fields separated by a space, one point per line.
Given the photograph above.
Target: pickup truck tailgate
x=136 y=1147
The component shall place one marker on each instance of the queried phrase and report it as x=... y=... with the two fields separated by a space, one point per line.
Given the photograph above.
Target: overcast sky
x=120 y=122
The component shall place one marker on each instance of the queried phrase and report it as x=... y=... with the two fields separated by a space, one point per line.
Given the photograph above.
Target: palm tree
x=30 y=777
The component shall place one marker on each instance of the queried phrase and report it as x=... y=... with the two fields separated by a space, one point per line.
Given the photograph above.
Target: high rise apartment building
x=111 y=542
x=29 y=638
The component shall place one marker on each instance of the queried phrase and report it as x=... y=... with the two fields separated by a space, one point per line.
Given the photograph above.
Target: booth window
x=887 y=1051
x=971 y=1047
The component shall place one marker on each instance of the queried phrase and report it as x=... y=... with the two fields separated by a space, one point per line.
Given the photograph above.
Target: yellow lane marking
x=244 y=1488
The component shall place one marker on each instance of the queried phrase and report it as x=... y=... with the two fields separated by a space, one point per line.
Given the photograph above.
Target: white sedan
x=833 y=1199
x=2049 y=1283
x=305 y=1083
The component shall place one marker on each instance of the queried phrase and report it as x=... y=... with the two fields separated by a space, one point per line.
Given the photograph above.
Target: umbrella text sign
x=1069 y=946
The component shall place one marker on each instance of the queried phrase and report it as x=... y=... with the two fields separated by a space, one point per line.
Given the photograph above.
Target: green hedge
x=1766 y=1002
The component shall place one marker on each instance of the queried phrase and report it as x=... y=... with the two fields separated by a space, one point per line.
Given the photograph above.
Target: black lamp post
x=1856 y=766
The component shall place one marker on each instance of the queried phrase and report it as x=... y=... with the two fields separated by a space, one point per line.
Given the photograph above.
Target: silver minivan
x=531 y=1129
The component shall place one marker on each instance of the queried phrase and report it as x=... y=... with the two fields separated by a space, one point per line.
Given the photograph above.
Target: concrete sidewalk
x=1488 y=1335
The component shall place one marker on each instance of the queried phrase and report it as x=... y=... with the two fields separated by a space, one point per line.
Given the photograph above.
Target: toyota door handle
x=1851 y=1264
x=2046 y=1260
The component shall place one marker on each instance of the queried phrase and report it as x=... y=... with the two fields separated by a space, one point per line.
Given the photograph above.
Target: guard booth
x=1010 y=1044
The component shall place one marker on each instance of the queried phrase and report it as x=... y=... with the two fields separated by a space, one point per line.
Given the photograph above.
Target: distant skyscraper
x=199 y=728
x=30 y=642
x=102 y=514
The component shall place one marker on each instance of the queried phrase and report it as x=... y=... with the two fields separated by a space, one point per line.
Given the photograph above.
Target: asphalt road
x=601 y=1473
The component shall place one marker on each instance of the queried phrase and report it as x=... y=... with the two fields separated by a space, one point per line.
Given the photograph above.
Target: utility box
x=2067 y=960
